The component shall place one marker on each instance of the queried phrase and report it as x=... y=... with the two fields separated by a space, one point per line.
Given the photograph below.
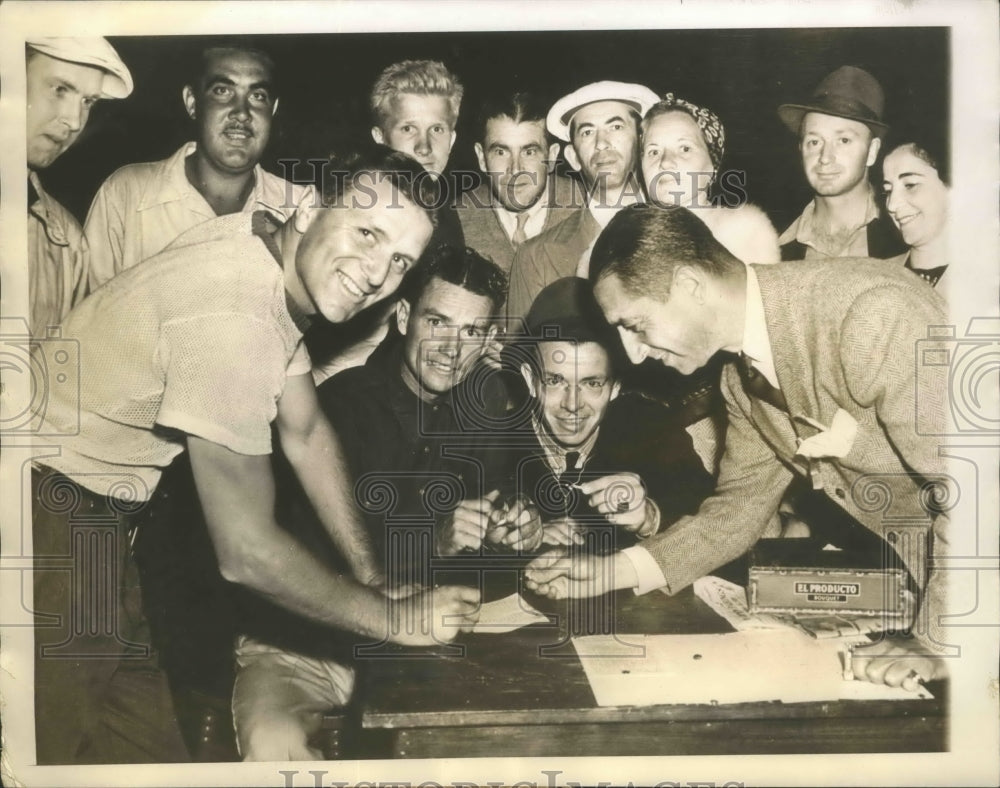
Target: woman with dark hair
x=916 y=185
x=682 y=147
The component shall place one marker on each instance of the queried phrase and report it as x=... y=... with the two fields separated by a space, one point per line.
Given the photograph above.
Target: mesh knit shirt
x=196 y=340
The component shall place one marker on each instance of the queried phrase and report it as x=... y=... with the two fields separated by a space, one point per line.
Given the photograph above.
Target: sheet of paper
x=738 y=667
x=507 y=614
x=730 y=601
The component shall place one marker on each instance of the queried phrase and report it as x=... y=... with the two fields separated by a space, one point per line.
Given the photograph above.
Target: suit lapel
x=573 y=236
x=564 y=200
x=792 y=362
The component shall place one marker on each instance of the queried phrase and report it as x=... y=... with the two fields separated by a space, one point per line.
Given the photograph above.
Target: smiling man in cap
x=65 y=79
x=600 y=123
x=600 y=456
x=840 y=130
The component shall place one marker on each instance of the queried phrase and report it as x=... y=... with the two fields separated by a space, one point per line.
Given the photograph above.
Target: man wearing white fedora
x=600 y=123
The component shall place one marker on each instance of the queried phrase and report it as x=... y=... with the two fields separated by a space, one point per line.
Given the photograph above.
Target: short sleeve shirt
x=58 y=261
x=196 y=340
x=141 y=208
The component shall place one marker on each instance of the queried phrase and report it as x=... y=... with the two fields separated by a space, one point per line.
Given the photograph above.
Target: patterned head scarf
x=708 y=122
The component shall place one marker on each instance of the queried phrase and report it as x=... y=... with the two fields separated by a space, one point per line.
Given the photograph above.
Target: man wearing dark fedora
x=840 y=130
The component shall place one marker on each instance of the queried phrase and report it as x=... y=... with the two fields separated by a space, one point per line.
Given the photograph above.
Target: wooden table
x=525 y=693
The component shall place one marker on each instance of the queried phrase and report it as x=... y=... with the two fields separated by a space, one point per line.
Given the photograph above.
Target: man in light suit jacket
x=831 y=395
x=521 y=196
x=600 y=124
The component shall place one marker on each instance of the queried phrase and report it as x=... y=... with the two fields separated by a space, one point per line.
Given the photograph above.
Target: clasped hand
x=561 y=575
x=513 y=523
x=427 y=617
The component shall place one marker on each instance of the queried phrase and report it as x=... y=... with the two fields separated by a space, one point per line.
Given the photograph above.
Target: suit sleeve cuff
x=646 y=569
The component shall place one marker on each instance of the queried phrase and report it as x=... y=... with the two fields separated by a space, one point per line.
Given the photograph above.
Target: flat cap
x=96 y=52
x=567 y=310
x=639 y=97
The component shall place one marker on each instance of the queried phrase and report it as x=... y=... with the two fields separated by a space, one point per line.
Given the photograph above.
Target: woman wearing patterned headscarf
x=682 y=147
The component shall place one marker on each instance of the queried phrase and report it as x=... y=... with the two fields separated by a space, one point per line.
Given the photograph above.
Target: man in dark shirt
x=415 y=416
x=411 y=426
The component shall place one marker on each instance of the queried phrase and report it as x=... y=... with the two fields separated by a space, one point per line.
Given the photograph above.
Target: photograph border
x=975 y=88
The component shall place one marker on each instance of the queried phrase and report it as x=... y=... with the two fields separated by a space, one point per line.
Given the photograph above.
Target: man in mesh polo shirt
x=178 y=353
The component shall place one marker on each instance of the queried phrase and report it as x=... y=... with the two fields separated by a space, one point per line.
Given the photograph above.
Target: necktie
x=563 y=494
x=756 y=385
x=571 y=475
x=520 y=236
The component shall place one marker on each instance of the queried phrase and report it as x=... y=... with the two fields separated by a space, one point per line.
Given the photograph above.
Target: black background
x=742 y=75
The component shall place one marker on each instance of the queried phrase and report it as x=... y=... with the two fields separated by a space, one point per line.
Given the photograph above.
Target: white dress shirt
x=536 y=216
x=757 y=347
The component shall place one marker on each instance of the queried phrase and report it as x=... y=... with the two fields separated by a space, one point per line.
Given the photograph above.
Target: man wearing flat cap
x=840 y=130
x=600 y=123
x=65 y=77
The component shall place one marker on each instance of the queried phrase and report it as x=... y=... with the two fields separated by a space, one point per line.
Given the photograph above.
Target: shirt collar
x=803 y=230
x=262 y=224
x=536 y=215
x=175 y=185
x=41 y=207
x=603 y=214
x=555 y=455
x=756 y=341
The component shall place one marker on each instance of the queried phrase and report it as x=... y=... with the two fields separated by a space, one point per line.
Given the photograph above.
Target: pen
x=849 y=663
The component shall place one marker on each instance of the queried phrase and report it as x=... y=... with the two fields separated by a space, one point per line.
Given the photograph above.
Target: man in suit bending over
x=825 y=387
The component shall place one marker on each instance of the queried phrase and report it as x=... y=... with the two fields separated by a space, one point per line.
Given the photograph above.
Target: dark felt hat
x=849 y=92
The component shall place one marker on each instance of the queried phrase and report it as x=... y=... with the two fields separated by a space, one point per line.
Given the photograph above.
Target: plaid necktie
x=756 y=385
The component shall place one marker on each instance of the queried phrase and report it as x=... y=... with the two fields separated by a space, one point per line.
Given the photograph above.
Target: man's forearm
x=237 y=496
x=321 y=469
x=281 y=569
